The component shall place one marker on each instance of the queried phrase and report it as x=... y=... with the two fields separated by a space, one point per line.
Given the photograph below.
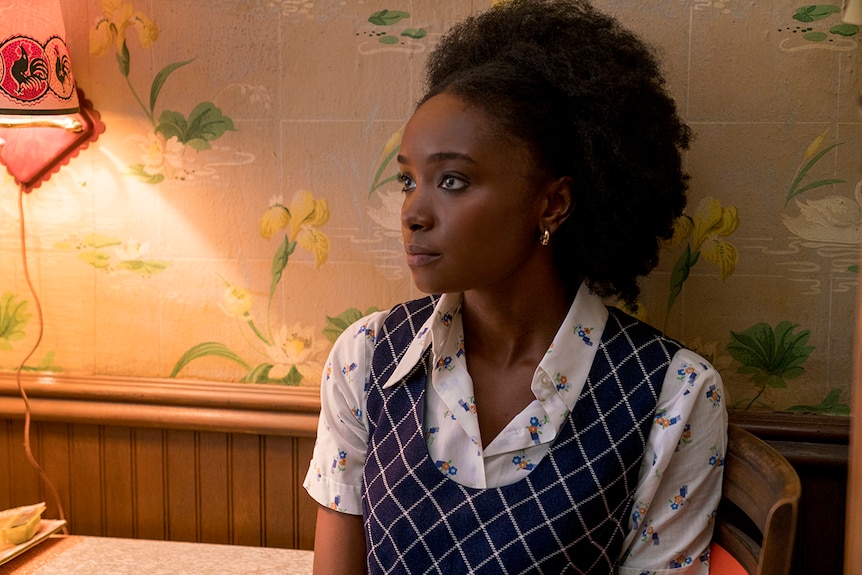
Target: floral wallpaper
x=241 y=208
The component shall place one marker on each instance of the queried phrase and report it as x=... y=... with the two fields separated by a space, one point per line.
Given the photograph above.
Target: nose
x=416 y=212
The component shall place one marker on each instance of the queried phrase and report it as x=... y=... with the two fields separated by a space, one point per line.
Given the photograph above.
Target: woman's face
x=472 y=207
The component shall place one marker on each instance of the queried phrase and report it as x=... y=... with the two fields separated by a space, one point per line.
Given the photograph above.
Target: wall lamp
x=45 y=120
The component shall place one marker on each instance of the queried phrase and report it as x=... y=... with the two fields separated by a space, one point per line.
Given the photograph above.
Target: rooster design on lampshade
x=32 y=74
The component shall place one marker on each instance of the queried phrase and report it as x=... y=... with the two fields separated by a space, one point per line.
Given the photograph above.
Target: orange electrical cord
x=38 y=305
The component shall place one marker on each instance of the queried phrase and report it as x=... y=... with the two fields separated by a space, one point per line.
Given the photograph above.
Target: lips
x=418 y=256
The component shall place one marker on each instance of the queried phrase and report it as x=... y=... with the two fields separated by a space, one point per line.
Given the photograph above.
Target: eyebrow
x=438 y=157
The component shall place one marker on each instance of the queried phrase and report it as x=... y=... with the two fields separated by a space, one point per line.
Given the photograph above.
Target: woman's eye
x=452 y=183
x=406 y=182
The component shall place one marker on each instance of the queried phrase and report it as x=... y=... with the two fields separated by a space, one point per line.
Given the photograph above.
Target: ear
x=559 y=203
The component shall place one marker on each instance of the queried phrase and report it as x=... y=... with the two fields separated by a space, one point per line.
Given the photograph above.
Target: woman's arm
x=339 y=543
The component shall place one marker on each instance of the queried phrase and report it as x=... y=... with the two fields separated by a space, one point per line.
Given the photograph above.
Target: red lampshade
x=44 y=120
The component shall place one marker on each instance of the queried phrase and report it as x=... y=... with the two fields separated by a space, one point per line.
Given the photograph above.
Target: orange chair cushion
x=723 y=563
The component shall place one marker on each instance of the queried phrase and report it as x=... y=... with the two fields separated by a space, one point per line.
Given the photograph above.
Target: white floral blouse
x=680 y=480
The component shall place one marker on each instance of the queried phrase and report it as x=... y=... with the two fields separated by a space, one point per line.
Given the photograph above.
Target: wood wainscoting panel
x=163 y=459
x=181 y=485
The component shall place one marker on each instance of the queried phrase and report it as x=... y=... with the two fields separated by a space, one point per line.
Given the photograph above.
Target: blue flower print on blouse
x=522 y=462
x=562 y=382
x=688 y=373
x=336 y=503
x=469 y=405
x=445 y=318
x=339 y=463
x=649 y=534
x=446 y=467
x=431 y=435
x=445 y=363
x=680 y=561
x=638 y=513
x=679 y=500
x=715 y=460
x=713 y=394
x=363 y=329
x=348 y=370
x=686 y=437
x=535 y=429
x=662 y=420
x=583 y=333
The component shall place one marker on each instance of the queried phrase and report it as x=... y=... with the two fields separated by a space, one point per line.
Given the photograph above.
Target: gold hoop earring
x=546 y=237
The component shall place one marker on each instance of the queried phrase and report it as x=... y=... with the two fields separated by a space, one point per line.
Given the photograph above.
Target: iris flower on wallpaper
x=291 y=353
x=705 y=230
x=175 y=136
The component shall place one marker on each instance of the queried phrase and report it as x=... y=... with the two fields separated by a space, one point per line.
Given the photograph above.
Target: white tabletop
x=75 y=555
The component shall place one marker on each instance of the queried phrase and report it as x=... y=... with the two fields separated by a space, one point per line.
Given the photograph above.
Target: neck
x=512 y=328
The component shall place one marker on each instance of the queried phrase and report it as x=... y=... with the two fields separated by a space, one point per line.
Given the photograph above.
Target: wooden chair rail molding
x=160 y=403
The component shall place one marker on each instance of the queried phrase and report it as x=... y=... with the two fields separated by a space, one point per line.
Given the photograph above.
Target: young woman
x=513 y=423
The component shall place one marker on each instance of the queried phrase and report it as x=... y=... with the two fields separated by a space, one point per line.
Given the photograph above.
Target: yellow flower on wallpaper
x=275 y=218
x=293 y=355
x=705 y=230
x=236 y=301
x=173 y=131
x=301 y=218
x=110 y=29
x=712 y=222
x=296 y=349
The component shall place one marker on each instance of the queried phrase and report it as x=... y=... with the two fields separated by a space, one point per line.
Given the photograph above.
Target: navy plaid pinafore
x=569 y=515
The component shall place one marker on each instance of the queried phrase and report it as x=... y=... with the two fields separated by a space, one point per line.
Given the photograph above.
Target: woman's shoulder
x=368 y=328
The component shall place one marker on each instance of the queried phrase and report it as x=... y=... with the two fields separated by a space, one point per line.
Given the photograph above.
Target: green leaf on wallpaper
x=208 y=349
x=795 y=190
x=815 y=36
x=99 y=241
x=205 y=124
x=415 y=33
x=830 y=405
x=336 y=325
x=770 y=355
x=815 y=12
x=680 y=273
x=123 y=60
x=95 y=258
x=139 y=172
x=293 y=377
x=13 y=319
x=387 y=17
x=161 y=78
x=844 y=29
x=388 y=39
x=259 y=374
x=47 y=364
x=279 y=262
x=142 y=267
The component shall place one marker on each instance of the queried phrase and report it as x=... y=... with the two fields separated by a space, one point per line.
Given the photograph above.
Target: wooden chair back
x=756 y=520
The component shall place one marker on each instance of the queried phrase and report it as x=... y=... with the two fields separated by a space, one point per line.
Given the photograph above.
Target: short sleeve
x=334 y=477
x=680 y=481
